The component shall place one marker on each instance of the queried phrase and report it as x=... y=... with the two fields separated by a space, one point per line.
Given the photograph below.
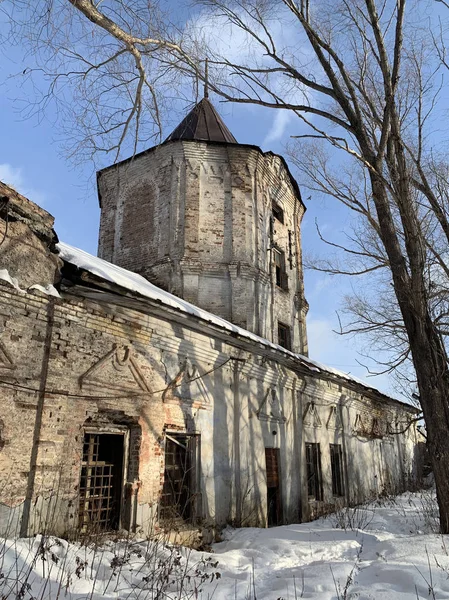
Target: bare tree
x=112 y=69
x=367 y=94
x=359 y=74
x=371 y=309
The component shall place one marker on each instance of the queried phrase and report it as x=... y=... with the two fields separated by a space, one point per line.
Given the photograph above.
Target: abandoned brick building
x=168 y=381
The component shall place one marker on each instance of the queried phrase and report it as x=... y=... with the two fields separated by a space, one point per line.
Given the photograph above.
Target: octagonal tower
x=214 y=222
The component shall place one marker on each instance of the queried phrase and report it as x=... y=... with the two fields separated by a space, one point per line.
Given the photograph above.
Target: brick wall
x=194 y=218
x=109 y=365
x=86 y=362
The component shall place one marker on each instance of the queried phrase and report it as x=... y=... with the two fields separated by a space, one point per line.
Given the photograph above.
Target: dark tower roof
x=203 y=123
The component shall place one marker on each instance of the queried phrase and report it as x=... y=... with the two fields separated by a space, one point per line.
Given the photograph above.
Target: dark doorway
x=101 y=481
x=179 y=497
x=273 y=486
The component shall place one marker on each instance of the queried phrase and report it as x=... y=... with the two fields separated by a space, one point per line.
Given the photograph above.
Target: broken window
x=101 y=482
x=278 y=212
x=273 y=486
x=313 y=462
x=180 y=497
x=279 y=265
x=284 y=338
x=336 y=453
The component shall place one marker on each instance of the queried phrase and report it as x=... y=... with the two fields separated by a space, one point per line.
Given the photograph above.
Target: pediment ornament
x=271 y=409
x=311 y=417
x=116 y=370
x=187 y=386
x=334 y=419
x=358 y=425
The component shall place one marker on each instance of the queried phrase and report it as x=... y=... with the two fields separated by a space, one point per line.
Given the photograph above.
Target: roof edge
x=233 y=333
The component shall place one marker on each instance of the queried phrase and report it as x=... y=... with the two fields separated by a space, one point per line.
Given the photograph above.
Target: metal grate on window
x=180 y=497
x=100 y=482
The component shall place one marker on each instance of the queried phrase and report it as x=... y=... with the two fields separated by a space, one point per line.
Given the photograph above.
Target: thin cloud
x=14 y=177
x=322 y=283
x=219 y=37
x=281 y=120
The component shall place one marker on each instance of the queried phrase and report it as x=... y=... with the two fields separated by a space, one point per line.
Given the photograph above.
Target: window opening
x=179 y=493
x=280 y=272
x=101 y=481
x=314 y=481
x=337 y=469
x=284 y=338
x=273 y=487
x=278 y=212
x=290 y=249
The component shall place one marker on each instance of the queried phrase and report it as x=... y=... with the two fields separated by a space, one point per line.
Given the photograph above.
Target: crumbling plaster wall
x=23 y=328
x=26 y=240
x=376 y=439
x=194 y=218
x=70 y=362
x=108 y=363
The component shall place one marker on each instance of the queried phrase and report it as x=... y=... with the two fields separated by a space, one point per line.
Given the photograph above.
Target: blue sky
x=31 y=159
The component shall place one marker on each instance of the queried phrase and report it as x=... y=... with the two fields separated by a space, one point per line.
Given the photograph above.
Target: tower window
x=284 y=338
x=279 y=265
x=278 y=212
x=314 y=482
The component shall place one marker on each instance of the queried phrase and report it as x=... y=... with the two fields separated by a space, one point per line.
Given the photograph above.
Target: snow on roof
x=49 y=289
x=141 y=286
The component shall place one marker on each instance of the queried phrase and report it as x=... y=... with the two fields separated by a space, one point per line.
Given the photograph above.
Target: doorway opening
x=101 y=482
x=274 y=516
x=180 y=496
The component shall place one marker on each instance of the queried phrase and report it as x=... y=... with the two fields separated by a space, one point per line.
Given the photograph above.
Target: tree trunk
x=427 y=348
x=433 y=383
x=438 y=448
x=430 y=362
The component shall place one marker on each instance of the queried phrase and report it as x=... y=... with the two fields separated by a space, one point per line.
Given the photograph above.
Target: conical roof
x=203 y=123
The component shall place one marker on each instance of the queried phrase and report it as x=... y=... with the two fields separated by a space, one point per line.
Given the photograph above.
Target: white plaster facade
x=266 y=435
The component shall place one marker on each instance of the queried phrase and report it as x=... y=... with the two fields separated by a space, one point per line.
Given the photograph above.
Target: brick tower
x=214 y=222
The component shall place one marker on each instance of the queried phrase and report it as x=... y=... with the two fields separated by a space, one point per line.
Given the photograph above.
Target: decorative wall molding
x=359 y=426
x=6 y=361
x=334 y=419
x=270 y=408
x=311 y=417
x=179 y=389
x=370 y=426
x=117 y=370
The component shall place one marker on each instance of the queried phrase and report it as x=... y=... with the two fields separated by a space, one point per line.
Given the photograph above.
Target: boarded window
x=279 y=266
x=101 y=482
x=284 y=338
x=336 y=454
x=314 y=481
x=180 y=497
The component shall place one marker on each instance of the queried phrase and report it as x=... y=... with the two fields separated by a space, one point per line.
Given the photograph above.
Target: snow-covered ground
x=383 y=551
